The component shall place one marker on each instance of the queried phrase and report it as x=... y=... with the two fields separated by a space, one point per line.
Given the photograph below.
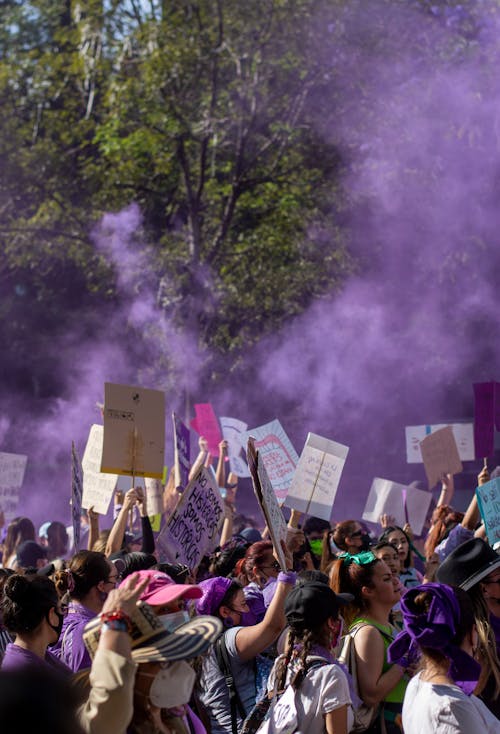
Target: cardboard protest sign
x=154 y=496
x=266 y=497
x=277 y=454
x=440 y=455
x=12 y=468
x=182 y=453
x=98 y=487
x=233 y=430
x=206 y=424
x=486 y=417
x=76 y=495
x=192 y=530
x=316 y=478
x=488 y=499
x=134 y=431
x=463 y=433
x=403 y=503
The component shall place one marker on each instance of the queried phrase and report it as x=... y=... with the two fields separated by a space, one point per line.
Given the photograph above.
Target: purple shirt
x=18 y=657
x=70 y=648
x=456 y=537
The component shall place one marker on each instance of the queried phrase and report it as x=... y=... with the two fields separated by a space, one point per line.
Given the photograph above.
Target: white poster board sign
x=464 y=438
x=440 y=455
x=277 y=454
x=98 y=487
x=193 y=528
x=403 y=503
x=12 y=469
x=316 y=478
x=154 y=496
x=266 y=497
x=134 y=431
x=233 y=430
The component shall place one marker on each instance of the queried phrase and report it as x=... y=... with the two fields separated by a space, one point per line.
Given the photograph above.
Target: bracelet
x=117 y=625
x=117 y=620
x=287 y=577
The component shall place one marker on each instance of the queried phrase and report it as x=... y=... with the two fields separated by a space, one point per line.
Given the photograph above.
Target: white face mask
x=173 y=685
x=174 y=620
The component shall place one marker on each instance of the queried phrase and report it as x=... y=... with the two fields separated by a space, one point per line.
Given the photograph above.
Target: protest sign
x=440 y=455
x=486 y=417
x=134 y=431
x=182 y=441
x=403 y=503
x=154 y=496
x=488 y=499
x=233 y=430
x=98 y=487
x=316 y=478
x=12 y=468
x=266 y=497
x=76 y=495
x=192 y=530
x=277 y=454
x=463 y=433
x=206 y=424
x=155 y=521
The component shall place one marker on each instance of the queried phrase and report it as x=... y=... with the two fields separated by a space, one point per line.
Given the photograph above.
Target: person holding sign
x=234 y=659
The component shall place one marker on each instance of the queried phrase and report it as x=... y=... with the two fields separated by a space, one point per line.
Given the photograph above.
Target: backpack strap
x=222 y=655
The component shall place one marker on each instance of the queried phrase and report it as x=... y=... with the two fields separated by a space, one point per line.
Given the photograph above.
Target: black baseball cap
x=309 y=605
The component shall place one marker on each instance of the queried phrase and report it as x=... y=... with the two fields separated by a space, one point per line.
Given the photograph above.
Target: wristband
x=117 y=625
x=287 y=577
x=118 y=621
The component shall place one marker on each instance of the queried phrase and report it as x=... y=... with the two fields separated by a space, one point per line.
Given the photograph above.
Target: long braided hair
x=298 y=648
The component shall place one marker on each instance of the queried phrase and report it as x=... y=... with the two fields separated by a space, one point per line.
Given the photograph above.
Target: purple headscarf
x=434 y=629
x=214 y=590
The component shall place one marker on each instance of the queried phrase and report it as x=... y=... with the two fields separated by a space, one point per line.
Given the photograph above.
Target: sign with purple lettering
x=486 y=417
x=134 y=431
x=233 y=430
x=488 y=499
x=317 y=476
x=206 y=424
x=277 y=454
x=182 y=452
x=12 y=468
x=192 y=530
x=76 y=495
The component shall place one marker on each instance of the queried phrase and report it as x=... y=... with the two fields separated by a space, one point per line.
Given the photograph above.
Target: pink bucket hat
x=161 y=589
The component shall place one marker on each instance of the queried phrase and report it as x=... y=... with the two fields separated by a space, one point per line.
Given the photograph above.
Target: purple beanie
x=214 y=591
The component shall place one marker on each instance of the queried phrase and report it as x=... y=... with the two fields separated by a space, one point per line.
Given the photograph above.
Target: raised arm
x=200 y=459
x=117 y=533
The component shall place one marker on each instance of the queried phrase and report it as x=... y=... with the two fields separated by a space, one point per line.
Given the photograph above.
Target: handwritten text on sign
x=317 y=477
x=277 y=454
x=488 y=499
x=193 y=528
x=12 y=468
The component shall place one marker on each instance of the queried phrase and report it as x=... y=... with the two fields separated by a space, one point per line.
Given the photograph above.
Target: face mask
x=316 y=546
x=172 y=686
x=174 y=620
x=57 y=627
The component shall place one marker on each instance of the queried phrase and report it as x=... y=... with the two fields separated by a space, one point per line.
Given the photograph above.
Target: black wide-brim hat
x=152 y=642
x=468 y=564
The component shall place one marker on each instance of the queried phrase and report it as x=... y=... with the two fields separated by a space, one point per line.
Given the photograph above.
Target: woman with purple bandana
x=225 y=599
x=439 y=630
x=87 y=581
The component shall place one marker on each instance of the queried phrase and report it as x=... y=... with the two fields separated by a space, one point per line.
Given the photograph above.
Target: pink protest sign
x=486 y=407
x=206 y=424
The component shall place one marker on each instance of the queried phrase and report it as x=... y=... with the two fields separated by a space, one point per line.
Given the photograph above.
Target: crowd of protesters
x=358 y=630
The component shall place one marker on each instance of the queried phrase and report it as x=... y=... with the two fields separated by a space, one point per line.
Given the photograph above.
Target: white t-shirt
x=430 y=708
x=324 y=689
